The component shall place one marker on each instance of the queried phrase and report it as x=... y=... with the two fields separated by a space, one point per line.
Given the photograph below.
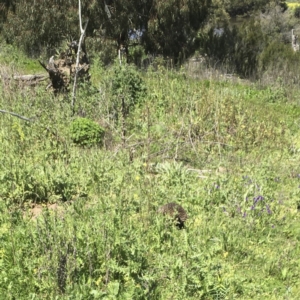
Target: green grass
x=16 y=60
x=227 y=152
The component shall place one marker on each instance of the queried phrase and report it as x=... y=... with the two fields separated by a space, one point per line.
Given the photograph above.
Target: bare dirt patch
x=36 y=210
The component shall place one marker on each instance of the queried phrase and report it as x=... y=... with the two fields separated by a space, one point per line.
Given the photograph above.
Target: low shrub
x=86 y=132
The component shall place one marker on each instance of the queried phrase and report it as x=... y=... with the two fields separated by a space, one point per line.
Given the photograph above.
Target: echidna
x=175 y=211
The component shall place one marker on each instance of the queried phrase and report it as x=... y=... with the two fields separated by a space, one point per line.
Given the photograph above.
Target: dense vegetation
x=226 y=150
x=79 y=194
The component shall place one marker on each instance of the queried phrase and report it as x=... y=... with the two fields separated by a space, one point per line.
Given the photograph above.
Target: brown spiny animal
x=175 y=211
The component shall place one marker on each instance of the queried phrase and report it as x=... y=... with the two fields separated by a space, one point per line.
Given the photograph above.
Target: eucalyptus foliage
x=165 y=27
x=174 y=29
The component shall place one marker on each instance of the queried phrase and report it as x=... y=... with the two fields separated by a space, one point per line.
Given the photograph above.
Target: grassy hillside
x=227 y=151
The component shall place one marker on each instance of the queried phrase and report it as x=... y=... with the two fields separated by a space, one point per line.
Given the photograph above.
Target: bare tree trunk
x=295 y=44
x=77 y=69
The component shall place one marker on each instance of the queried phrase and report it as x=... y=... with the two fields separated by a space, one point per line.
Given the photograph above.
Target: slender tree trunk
x=77 y=69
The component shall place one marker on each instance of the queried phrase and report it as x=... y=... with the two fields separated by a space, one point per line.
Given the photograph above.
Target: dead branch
x=16 y=115
x=56 y=74
x=43 y=65
x=30 y=77
x=25 y=79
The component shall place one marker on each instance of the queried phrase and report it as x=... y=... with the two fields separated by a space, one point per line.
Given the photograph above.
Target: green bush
x=297 y=12
x=86 y=132
x=128 y=89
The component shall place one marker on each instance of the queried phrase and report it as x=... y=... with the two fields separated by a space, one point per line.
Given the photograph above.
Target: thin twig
x=148 y=134
x=16 y=115
x=193 y=146
x=176 y=151
x=124 y=115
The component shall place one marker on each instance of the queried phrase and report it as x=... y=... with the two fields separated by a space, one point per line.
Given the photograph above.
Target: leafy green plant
x=86 y=132
x=128 y=89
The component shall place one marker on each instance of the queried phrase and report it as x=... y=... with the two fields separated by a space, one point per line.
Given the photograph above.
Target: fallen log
x=29 y=77
x=31 y=80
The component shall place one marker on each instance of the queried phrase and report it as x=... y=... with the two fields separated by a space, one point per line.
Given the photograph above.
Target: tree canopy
x=172 y=28
x=168 y=27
